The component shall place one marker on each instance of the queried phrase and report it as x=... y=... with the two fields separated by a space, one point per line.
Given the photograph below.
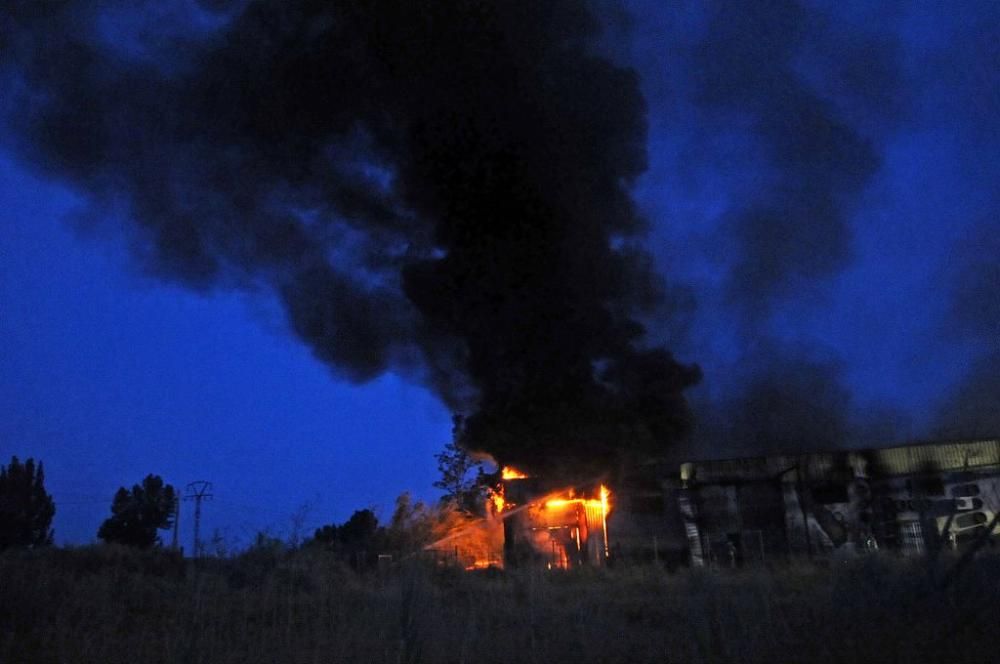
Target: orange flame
x=603 y=503
x=495 y=495
x=496 y=500
x=594 y=506
x=605 y=507
x=509 y=473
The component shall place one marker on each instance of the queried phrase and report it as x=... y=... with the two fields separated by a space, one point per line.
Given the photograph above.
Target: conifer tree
x=26 y=509
x=136 y=515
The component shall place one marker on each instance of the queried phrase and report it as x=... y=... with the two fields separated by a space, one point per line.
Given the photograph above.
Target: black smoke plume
x=972 y=409
x=441 y=188
x=969 y=96
x=790 y=402
x=808 y=100
x=788 y=398
x=792 y=227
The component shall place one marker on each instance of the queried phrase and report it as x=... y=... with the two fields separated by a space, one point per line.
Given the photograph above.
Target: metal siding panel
x=901 y=460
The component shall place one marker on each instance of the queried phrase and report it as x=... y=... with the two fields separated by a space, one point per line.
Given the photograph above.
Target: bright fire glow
x=496 y=498
x=495 y=495
x=600 y=505
x=603 y=503
x=605 y=506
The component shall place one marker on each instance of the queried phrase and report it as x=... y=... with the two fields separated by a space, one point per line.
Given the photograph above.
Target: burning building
x=557 y=528
x=906 y=499
x=532 y=521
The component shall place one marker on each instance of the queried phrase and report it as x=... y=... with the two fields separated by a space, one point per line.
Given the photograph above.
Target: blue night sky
x=108 y=376
x=820 y=202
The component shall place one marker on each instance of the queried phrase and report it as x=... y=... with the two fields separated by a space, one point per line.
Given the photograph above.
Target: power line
x=177 y=520
x=198 y=491
x=275 y=519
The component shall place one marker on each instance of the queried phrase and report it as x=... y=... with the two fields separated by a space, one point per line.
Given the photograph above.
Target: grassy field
x=111 y=605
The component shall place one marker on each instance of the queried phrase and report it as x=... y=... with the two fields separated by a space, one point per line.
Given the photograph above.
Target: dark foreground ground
x=107 y=605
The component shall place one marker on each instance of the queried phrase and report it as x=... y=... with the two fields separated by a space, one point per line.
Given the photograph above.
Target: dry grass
x=109 y=605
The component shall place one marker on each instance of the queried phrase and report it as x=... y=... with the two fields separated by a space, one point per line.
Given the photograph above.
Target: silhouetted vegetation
x=26 y=509
x=360 y=540
x=464 y=479
x=136 y=515
x=111 y=604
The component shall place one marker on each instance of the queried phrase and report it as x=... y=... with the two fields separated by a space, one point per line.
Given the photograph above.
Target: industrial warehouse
x=734 y=512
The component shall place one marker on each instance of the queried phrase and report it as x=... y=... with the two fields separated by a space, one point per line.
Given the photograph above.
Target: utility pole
x=198 y=491
x=177 y=520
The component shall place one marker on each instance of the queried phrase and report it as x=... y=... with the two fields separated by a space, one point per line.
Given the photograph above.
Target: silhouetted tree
x=360 y=528
x=136 y=515
x=463 y=479
x=327 y=534
x=358 y=539
x=26 y=509
x=358 y=532
x=411 y=526
x=414 y=526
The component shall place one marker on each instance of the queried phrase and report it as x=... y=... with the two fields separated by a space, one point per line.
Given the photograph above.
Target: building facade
x=907 y=499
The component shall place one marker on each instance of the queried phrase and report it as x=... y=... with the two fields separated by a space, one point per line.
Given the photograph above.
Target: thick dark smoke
x=975 y=310
x=792 y=402
x=791 y=398
x=440 y=188
x=792 y=227
x=808 y=99
x=972 y=410
x=971 y=98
